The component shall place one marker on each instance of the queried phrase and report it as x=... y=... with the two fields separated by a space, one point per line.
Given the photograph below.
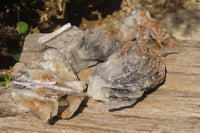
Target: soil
x=180 y=17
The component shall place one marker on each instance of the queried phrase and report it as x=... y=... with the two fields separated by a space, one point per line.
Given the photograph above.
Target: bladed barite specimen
x=82 y=49
x=47 y=84
x=141 y=27
x=48 y=89
x=124 y=78
x=138 y=66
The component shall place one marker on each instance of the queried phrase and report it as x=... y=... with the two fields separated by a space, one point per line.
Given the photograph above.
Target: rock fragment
x=121 y=80
x=82 y=49
x=48 y=89
x=132 y=63
x=47 y=85
x=141 y=27
x=138 y=66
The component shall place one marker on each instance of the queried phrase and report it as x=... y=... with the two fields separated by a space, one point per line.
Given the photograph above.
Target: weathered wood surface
x=173 y=107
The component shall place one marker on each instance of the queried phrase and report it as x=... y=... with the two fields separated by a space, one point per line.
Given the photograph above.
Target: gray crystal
x=82 y=49
x=48 y=89
x=126 y=75
x=141 y=27
x=45 y=80
x=47 y=84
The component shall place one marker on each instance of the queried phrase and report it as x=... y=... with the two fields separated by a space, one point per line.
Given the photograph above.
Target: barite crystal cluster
x=48 y=89
x=46 y=82
x=139 y=26
x=138 y=66
x=121 y=80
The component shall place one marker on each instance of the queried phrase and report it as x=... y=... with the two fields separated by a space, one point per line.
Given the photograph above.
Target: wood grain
x=173 y=107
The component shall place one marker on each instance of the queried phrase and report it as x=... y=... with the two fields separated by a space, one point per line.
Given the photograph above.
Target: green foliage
x=7 y=79
x=16 y=56
x=22 y=28
x=34 y=31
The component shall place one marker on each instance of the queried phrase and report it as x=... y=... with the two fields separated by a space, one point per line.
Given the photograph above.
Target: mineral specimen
x=48 y=89
x=47 y=85
x=132 y=63
x=138 y=67
x=126 y=75
x=141 y=27
x=82 y=49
